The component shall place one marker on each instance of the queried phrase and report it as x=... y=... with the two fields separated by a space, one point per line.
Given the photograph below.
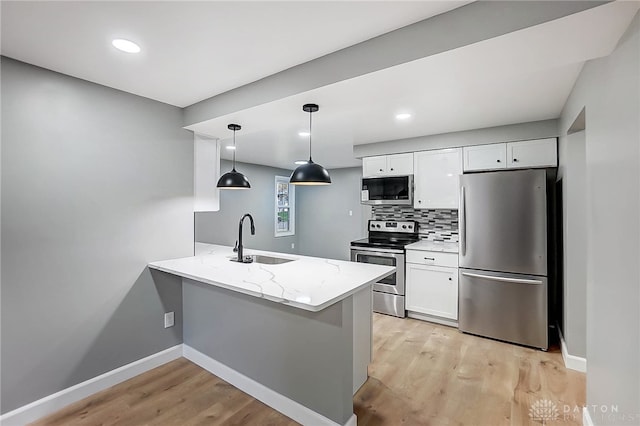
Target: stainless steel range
x=385 y=246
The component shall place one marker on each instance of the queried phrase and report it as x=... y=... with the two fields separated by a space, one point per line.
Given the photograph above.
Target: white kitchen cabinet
x=485 y=157
x=206 y=171
x=400 y=164
x=436 y=178
x=388 y=165
x=533 y=153
x=511 y=155
x=374 y=166
x=432 y=290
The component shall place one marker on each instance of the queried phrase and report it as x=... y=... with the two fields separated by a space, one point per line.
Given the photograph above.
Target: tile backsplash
x=435 y=225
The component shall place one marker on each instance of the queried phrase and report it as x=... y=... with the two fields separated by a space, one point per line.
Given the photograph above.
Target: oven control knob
x=404 y=226
x=378 y=226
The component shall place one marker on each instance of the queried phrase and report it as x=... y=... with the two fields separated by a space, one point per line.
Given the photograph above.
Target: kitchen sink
x=258 y=258
x=269 y=260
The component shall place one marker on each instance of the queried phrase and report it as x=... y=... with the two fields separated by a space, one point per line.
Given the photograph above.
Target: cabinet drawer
x=422 y=257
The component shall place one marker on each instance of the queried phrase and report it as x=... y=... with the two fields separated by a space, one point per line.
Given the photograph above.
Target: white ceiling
x=194 y=50
x=519 y=77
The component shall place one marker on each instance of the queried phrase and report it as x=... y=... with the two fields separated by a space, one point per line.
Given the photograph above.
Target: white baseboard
x=273 y=399
x=52 y=403
x=353 y=421
x=586 y=417
x=437 y=320
x=571 y=361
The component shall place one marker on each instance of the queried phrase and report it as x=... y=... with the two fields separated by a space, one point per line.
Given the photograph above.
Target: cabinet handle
x=497 y=161
x=430 y=258
x=449 y=278
x=392 y=169
x=381 y=170
x=419 y=201
x=515 y=160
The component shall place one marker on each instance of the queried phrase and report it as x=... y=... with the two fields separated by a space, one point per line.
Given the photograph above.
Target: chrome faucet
x=253 y=232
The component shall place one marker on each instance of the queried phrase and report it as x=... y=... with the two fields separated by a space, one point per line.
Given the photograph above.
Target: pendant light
x=233 y=179
x=310 y=173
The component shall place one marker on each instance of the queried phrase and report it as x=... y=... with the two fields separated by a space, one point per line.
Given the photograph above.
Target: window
x=285 y=217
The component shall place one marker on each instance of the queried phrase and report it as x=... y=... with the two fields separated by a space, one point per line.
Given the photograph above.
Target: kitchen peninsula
x=296 y=334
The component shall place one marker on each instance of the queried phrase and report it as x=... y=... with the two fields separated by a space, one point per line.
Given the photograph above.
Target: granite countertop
x=446 y=247
x=308 y=283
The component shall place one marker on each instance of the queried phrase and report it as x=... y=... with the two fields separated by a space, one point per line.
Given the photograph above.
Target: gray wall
x=96 y=183
x=572 y=171
x=326 y=228
x=284 y=348
x=609 y=90
x=221 y=227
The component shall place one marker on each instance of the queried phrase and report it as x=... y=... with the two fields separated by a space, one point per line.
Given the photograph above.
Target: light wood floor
x=427 y=374
x=422 y=374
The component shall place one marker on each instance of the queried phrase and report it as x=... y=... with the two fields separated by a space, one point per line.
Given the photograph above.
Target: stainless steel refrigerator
x=503 y=282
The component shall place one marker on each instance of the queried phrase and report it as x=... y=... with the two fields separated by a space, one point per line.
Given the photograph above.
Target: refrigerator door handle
x=463 y=227
x=504 y=279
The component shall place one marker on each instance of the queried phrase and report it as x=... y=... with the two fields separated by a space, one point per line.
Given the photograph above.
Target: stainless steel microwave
x=392 y=190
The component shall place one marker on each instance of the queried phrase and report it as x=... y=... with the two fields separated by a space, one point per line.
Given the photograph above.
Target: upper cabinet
x=436 y=177
x=535 y=153
x=374 y=166
x=436 y=172
x=485 y=157
x=511 y=155
x=388 y=165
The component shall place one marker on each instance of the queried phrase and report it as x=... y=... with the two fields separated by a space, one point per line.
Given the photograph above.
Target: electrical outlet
x=350 y=212
x=169 y=319
x=293 y=245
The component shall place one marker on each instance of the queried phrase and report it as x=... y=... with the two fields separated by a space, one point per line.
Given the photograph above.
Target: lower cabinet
x=432 y=290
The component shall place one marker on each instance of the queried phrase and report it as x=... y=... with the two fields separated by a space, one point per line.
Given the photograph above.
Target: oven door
x=394 y=283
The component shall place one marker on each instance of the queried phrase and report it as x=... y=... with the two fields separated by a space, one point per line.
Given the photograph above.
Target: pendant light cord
x=234 y=150
x=310 y=114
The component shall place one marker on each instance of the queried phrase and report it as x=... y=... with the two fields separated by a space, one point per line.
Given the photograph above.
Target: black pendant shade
x=233 y=179
x=310 y=173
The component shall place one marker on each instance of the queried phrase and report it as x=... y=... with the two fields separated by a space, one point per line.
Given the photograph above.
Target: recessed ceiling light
x=403 y=116
x=299 y=162
x=231 y=147
x=304 y=134
x=125 y=45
